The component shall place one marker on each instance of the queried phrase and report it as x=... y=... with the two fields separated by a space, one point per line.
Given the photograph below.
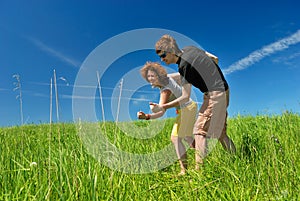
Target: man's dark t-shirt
x=200 y=70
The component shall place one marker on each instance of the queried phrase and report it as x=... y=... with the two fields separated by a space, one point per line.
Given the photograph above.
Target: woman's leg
x=181 y=153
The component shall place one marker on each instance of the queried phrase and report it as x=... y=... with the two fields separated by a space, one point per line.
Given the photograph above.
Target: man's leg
x=200 y=130
x=200 y=150
x=226 y=142
x=190 y=140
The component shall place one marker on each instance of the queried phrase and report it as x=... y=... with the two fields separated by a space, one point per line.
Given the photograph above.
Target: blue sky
x=257 y=42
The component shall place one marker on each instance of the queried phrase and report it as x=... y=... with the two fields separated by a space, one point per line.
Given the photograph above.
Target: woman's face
x=153 y=78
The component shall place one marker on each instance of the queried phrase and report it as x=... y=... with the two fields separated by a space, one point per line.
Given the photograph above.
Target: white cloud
x=290 y=60
x=55 y=53
x=258 y=55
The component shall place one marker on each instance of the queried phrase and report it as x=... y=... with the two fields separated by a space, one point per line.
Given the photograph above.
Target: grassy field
x=51 y=162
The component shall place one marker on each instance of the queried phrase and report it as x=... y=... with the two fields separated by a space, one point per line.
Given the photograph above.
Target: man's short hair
x=167 y=44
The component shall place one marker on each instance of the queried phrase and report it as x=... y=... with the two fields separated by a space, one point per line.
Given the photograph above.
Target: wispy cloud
x=289 y=60
x=258 y=55
x=54 y=53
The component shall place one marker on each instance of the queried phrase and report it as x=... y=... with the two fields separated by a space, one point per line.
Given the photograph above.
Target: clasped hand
x=155 y=107
x=141 y=115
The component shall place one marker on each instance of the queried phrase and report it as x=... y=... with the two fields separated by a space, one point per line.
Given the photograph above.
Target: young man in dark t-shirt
x=200 y=68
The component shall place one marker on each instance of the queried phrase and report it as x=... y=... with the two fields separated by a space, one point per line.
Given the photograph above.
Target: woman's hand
x=155 y=107
x=142 y=115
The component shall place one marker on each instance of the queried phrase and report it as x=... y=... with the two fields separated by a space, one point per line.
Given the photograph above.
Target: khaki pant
x=211 y=120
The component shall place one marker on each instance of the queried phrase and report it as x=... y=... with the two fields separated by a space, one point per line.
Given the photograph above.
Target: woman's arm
x=164 y=97
x=185 y=96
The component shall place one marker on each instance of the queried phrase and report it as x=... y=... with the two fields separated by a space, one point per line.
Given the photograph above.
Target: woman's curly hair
x=158 y=69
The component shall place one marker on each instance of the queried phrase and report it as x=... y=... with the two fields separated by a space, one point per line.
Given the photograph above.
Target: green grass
x=265 y=167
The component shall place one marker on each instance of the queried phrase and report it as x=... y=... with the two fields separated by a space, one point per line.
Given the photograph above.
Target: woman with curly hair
x=157 y=76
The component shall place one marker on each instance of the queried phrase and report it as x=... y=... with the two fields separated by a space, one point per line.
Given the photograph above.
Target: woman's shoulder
x=175 y=77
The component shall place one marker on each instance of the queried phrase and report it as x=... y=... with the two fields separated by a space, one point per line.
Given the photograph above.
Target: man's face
x=167 y=57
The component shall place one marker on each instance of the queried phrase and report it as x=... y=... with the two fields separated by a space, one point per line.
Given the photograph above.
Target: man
x=200 y=69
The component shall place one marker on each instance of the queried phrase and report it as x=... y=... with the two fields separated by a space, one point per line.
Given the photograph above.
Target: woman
x=157 y=76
